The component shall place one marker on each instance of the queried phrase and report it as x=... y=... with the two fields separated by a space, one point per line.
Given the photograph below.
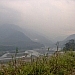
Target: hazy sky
x=54 y=18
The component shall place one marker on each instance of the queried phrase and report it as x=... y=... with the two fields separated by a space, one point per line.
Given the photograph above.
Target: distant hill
x=62 y=43
x=11 y=36
x=38 y=37
x=34 y=35
x=70 y=37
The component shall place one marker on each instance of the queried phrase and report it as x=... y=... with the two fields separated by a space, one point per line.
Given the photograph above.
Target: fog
x=53 y=18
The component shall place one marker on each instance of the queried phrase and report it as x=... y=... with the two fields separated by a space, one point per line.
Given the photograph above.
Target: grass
x=57 y=64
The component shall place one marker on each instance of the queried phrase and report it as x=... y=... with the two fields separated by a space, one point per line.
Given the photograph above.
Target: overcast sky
x=54 y=18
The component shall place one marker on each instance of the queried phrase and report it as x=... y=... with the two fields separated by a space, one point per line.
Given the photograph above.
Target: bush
x=58 y=64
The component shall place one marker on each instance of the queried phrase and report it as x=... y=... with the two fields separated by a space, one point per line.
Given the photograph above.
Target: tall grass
x=57 y=64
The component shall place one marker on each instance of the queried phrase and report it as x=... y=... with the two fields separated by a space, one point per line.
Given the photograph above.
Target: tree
x=70 y=45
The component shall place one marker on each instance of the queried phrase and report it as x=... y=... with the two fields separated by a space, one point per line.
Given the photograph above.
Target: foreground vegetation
x=57 y=64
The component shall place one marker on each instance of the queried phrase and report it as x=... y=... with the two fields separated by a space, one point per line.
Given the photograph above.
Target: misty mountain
x=11 y=35
x=38 y=37
x=70 y=37
x=62 y=43
x=33 y=35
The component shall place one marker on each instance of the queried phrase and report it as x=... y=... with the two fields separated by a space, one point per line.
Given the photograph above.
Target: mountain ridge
x=62 y=43
x=10 y=36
